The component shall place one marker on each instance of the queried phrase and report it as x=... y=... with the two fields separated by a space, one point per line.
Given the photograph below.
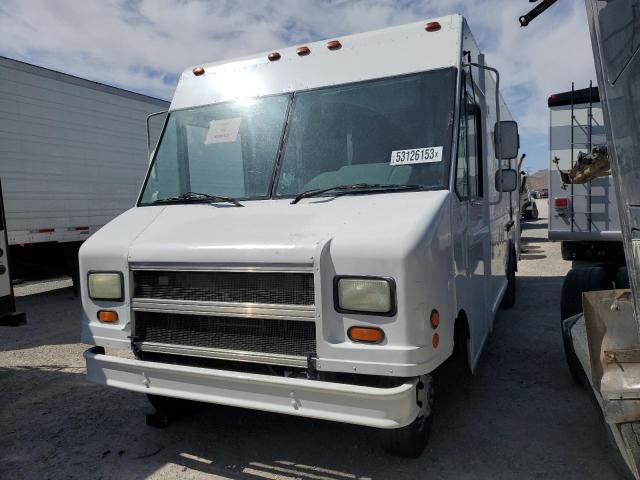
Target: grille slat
x=238 y=287
x=265 y=336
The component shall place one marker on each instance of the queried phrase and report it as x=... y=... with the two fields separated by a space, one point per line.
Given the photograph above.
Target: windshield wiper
x=355 y=188
x=198 y=197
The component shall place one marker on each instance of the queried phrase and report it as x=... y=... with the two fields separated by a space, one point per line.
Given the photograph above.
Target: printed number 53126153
x=416 y=155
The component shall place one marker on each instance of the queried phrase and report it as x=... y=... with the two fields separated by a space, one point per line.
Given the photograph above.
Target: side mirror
x=507 y=145
x=509 y=180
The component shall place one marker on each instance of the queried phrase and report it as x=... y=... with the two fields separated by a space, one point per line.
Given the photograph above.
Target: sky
x=143 y=45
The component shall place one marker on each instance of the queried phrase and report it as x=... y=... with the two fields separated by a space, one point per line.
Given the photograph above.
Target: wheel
x=173 y=406
x=573 y=363
x=567 y=250
x=533 y=214
x=578 y=281
x=622 y=278
x=411 y=440
x=509 y=299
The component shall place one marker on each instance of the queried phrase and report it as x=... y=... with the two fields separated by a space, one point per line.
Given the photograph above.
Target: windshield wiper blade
x=356 y=188
x=195 y=197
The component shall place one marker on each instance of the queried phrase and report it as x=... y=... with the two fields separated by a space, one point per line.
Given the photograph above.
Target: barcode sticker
x=416 y=155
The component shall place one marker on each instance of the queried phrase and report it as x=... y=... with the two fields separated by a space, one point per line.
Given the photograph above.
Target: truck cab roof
x=382 y=53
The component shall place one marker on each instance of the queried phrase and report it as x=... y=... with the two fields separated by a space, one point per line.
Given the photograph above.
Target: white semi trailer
x=72 y=155
x=320 y=229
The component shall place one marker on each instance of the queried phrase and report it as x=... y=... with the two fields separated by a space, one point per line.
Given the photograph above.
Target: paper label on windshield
x=416 y=155
x=223 y=131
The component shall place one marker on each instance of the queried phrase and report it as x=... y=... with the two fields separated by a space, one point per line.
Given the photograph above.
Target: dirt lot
x=520 y=416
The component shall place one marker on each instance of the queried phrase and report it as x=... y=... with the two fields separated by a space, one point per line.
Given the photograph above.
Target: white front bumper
x=369 y=406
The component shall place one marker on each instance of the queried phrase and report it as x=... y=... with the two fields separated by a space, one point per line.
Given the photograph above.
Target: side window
x=462 y=165
x=474 y=148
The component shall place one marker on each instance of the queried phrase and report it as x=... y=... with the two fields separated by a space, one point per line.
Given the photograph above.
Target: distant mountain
x=538 y=180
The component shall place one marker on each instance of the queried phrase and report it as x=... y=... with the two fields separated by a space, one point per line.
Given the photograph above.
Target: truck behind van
x=320 y=229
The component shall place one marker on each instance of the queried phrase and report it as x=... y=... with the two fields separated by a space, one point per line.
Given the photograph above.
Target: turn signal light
x=432 y=27
x=435 y=318
x=366 y=334
x=302 y=51
x=107 y=316
x=561 y=203
x=435 y=340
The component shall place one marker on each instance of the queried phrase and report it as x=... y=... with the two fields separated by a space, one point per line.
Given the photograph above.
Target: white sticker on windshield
x=222 y=131
x=416 y=155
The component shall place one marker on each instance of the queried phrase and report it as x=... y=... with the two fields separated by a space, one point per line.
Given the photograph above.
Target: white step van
x=318 y=228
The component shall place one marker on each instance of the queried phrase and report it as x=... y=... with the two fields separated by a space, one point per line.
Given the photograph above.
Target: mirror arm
x=499 y=146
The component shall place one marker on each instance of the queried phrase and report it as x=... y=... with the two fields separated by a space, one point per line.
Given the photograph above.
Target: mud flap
x=8 y=314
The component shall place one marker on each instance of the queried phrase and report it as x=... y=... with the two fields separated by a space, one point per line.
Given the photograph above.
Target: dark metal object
x=261 y=336
x=274 y=288
x=537 y=10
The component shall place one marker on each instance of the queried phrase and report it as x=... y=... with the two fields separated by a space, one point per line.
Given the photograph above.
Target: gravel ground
x=520 y=415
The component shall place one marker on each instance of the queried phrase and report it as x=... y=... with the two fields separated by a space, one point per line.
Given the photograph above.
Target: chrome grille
x=238 y=287
x=257 y=336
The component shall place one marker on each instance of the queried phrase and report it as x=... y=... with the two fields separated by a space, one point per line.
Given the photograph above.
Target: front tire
x=411 y=440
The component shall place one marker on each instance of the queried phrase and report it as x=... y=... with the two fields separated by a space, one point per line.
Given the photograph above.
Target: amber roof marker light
x=334 y=45
x=432 y=26
x=198 y=71
x=303 y=51
x=273 y=56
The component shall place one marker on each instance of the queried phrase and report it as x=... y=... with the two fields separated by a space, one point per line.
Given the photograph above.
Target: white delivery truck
x=72 y=155
x=320 y=229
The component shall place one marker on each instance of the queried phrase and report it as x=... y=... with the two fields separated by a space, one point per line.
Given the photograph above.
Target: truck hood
x=270 y=231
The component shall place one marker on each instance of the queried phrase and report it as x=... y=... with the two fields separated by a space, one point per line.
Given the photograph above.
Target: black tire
x=509 y=299
x=573 y=363
x=410 y=441
x=534 y=214
x=567 y=250
x=578 y=281
x=622 y=278
x=173 y=406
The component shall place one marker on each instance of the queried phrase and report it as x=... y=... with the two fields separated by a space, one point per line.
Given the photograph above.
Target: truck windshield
x=393 y=131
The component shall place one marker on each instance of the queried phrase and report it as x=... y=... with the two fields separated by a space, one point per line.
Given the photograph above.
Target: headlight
x=366 y=295
x=105 y=286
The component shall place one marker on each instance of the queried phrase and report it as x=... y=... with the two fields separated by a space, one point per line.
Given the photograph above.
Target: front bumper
x=369 y=406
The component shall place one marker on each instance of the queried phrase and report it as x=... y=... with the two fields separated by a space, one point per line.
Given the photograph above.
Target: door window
x=469 y=173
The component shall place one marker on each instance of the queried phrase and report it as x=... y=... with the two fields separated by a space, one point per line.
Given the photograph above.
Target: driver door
x=475 y=236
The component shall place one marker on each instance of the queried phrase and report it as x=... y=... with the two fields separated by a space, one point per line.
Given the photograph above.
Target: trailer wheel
x=577 y=281
x=567 y=250
x=573 y=363
x=622 y=278
x=411 y=440
x=509 y=299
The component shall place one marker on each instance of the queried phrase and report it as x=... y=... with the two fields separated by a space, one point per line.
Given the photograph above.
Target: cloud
x=143 y=45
